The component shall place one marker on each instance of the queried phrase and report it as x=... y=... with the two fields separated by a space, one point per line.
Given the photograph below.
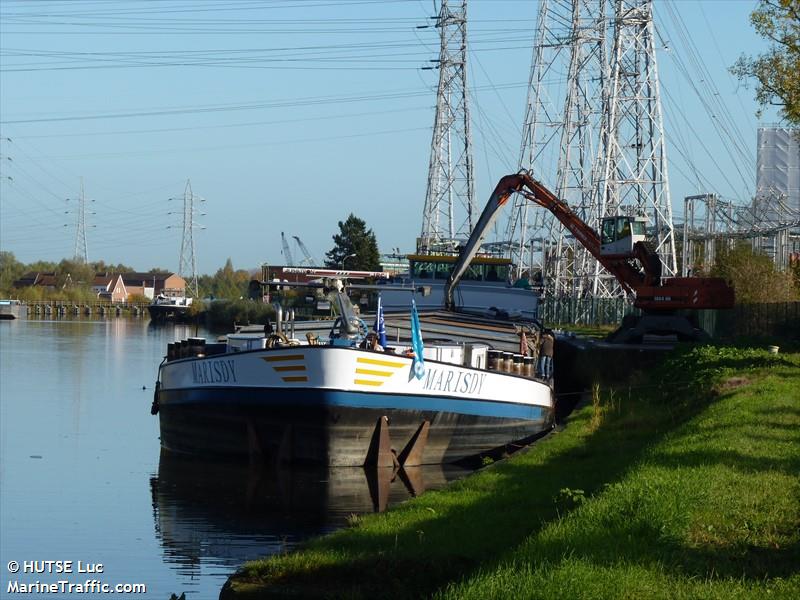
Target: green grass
x=685 y=485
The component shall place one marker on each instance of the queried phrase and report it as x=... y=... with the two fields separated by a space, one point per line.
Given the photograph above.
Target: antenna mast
x=450 y=210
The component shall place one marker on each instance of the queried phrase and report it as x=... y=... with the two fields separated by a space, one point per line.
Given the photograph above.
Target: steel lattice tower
x=597 y=140
x=560 y=138
x=188 y=266
x=632 y=175
x=450 y=211
x=81 y=253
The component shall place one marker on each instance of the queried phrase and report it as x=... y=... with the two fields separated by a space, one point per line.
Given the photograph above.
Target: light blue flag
x=380 y=324
x=416 y=343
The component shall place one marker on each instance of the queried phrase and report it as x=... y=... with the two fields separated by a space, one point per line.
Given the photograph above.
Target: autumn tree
x=753 y=276
x=355 y=247
x=777 y=71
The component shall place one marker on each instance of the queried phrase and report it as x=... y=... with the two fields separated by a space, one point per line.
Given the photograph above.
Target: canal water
x=82 y=477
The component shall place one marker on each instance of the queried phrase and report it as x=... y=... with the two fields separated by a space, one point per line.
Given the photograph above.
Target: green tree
x=753 y=276
x=355 y=245
x=777 y=71
x=75 y=272
x=10 y=270
x=100 y=266
x=227 y=282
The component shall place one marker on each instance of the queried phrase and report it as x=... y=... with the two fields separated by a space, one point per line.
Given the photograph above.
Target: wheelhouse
x=438 y=267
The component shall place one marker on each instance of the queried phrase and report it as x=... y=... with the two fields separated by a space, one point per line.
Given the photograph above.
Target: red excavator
x=623 y=249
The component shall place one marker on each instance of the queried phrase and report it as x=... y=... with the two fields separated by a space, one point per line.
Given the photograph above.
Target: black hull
x=307 y=427
x=179 y=314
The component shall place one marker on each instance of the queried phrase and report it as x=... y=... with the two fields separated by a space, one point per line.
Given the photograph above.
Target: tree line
x=355 y=246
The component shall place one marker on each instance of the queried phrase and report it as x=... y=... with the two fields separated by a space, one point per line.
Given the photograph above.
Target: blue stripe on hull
x=317 y=397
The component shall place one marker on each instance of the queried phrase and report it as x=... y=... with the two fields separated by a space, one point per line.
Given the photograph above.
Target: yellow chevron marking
x=295 y=378
x=367 y=382
x=290 y=368
x=373 y=372
x=284 y=357
x=380 y=363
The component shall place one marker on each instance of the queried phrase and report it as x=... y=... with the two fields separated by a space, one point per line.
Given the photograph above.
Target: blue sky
x=287 y=115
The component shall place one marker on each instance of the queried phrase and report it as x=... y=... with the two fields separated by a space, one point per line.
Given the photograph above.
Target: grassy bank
x=684 y=484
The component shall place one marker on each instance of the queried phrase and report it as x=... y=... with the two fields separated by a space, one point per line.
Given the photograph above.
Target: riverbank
x=683 y=483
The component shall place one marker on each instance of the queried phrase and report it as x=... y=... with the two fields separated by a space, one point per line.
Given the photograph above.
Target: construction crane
x=624 y=251
x=309 y=260
x=287 y=253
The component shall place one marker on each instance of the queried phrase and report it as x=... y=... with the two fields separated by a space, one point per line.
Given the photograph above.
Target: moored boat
x=12 y=309
x=169 y=308
x=485 y=288
x=338 y=404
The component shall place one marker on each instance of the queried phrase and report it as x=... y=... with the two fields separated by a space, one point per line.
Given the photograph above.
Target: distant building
x=151 y=285
x=109 y=286
x=48 y=281
x=395 y=267
x=778 y=169
x=777 y=198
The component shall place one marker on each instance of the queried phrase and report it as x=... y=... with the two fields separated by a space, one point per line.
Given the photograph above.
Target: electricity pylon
x=596 y=139
x=188 y=264
x=81 y=252
x=449 y=212
x=560 y=138
x=632 y=174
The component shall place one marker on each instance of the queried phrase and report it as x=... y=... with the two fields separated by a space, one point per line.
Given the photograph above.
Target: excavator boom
x=641 y=276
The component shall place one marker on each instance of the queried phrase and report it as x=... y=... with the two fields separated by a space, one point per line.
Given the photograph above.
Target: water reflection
x=224 y=514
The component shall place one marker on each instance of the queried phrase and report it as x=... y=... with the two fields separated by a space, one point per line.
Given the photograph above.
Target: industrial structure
x=288 y=257
x=449 y=211
x=596 y=138
x=623 y=247
x=188 y=263
x=81 y=252
x=771 y=222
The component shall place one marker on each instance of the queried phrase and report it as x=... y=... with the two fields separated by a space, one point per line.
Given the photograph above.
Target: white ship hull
x=323 y=404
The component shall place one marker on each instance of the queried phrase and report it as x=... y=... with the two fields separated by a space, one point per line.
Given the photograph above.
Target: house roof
x=107 y=280
x=37 y=278
x=138 y=278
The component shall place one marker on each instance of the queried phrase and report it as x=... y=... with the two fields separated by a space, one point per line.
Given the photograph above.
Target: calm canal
x=82 y=477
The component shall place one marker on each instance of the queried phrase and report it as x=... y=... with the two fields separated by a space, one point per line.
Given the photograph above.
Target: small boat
x=335 y=402
x=12 y=309
x=169 y=308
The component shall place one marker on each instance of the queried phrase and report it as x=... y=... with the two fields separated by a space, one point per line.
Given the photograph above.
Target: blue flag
x=380 y=324
x=416 y=343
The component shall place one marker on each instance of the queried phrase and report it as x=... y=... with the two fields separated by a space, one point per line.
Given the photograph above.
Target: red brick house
x=150 y=285
x=110 y=286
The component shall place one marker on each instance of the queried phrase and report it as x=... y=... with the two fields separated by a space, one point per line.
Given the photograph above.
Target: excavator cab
x=619 y=234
